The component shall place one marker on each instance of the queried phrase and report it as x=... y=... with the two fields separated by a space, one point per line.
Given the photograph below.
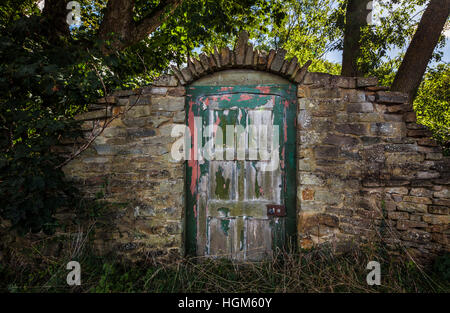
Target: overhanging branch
x=118 y=20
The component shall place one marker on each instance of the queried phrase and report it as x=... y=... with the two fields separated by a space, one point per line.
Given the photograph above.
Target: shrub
x=432 y=104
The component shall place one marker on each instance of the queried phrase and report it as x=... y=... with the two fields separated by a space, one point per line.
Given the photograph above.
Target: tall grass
x=313 y=271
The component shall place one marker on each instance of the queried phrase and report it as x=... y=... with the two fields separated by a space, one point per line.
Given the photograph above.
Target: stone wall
x=366 y=170
x=129 y=163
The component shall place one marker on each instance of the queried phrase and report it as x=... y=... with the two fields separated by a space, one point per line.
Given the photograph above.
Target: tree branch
x=118 y=20
x=95 y=131
x=55 y=24
x=355 y=19
x=421 y=48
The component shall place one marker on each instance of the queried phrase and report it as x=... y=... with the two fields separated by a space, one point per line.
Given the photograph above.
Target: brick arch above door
x=243 y=56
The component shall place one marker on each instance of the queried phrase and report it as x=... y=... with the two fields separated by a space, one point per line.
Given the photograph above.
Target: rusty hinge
x=276 y=210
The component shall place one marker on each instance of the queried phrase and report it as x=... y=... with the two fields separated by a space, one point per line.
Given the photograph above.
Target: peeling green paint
x=224 y=211
x=257 y=188
x=242 y=242
x=222 y=185
x=225 y=226
x=241 y=177
x=227 y=213
x=238 y=208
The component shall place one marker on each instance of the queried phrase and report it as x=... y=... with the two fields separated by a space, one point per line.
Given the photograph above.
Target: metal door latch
x=276 y=210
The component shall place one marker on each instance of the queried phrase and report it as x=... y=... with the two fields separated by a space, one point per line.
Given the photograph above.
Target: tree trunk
x=355 y=18
x=118 y=20
x=117 y=24
x=421 y=48
x=55 y=24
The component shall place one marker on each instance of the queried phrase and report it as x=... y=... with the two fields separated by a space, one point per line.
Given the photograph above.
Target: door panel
x=262 y=184
x=259 y=239
x=220 y=236
x=223 y=181
x=244 y=138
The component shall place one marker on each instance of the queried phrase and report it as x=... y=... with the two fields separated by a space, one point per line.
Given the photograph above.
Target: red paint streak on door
x=263 y=89
x=226 y=97
x=192 y=162
x=284 y=121
x=216 y=124
x=245 y=97
x=285 y=131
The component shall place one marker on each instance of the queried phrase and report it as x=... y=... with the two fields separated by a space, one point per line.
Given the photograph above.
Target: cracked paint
x=229 y=208
x=245 y=97
x=263 y=89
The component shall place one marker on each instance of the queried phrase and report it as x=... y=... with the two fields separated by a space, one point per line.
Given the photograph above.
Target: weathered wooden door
x=241 y=174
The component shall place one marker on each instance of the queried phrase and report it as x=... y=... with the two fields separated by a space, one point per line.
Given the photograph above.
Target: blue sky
x=336 y=56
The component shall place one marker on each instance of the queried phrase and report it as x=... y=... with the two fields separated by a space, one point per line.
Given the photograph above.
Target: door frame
x=192 y=168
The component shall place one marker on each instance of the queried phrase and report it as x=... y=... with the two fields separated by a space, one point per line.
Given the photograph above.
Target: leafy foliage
x=432 y=104
x=310 y=29
x=306 y=29
x=441 y=266
x=44 y=82
x=384 y=43
x=317 y=270
x=40 y=89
